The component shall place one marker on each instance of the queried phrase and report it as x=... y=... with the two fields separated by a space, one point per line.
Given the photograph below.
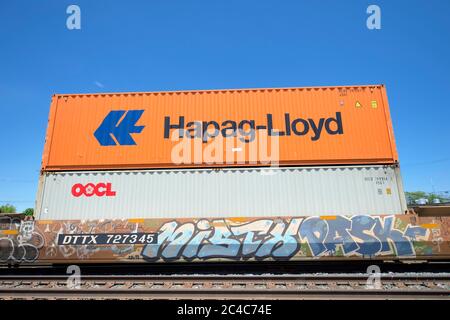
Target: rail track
x=269 y=286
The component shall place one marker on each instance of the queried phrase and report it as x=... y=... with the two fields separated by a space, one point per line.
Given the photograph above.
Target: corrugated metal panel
x=366 y=136
x=249 y=192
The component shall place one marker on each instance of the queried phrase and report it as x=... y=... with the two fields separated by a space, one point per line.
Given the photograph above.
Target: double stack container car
x=194 y=176
x=220 y=153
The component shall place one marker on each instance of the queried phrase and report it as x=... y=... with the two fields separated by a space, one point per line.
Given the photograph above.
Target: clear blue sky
x=174 y=45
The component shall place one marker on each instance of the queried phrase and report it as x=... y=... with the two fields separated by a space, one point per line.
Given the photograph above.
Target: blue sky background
x=175 y=45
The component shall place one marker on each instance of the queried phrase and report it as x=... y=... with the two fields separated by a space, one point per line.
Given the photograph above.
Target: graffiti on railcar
x=282 y=239
x=19 y=242
x=277 y=238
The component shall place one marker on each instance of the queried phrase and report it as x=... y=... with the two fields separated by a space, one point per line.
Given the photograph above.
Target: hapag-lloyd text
x=207 y=130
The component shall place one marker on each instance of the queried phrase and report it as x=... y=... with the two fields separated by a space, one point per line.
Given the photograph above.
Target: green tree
x=29 y=212
x=412 y=197
x=7 y=208
x=432 y=197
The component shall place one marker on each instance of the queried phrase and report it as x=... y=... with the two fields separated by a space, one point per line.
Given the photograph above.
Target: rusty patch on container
x=237 y=219
x=328 y=217
x=10 y=232
x=429 y=225
x=44 y=221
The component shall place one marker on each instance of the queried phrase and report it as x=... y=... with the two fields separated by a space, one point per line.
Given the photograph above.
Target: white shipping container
x=193 y=193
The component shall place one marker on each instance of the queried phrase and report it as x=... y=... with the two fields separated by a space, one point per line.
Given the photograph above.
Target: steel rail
x=362 y=276
x=304 y=286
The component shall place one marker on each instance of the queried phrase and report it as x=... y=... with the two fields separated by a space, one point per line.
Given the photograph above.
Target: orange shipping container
x=285 y=126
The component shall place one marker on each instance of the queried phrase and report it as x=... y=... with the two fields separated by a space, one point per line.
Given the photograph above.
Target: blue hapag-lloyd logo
x=120 y=130
x=117 y=127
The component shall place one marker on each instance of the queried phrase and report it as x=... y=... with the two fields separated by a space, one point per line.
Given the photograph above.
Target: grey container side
x=231 y=192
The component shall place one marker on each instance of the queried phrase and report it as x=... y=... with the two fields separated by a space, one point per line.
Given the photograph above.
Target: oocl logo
x=100 y=190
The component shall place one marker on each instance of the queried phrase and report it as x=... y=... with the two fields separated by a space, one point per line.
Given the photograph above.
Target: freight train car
x=235 y=175
x=358 y=237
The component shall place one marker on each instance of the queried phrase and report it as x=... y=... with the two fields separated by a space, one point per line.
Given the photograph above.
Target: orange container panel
x=302 y=126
